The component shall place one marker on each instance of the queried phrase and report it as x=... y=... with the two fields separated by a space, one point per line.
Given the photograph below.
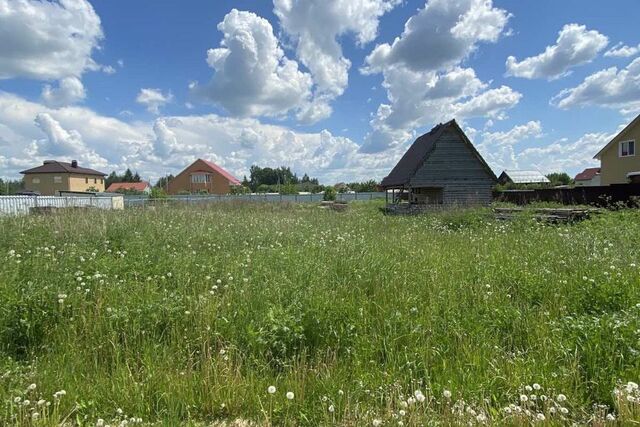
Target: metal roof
x=526 y=177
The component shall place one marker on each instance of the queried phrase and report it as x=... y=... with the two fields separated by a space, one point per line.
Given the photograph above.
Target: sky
x=337 y=89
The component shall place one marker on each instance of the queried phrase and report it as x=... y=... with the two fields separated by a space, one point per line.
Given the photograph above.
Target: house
x=53 y=177
x=522 y=177
x=590 y=177
x=134 y=187
x=202 y=176
x=618 y=160
x=441 y=167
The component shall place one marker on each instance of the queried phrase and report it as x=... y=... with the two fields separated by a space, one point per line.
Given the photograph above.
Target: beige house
x=619 y=159
x=202 y=176
x=53 y=176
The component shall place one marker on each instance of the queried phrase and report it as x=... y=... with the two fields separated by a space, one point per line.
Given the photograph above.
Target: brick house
x=202 y=176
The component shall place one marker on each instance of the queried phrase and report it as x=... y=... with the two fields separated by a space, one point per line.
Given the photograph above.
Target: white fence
x=22 y=205
x=130 y=201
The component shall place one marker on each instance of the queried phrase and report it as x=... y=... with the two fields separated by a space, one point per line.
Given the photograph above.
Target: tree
x=128 y=176
x=164 y=181
x=136 y=177
x=11 y=186
x=560 y=178
x=329 y=194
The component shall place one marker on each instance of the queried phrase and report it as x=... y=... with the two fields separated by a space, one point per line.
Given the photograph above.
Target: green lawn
x=188 y=315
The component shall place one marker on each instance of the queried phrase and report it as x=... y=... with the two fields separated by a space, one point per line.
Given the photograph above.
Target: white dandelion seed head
x=271 y=389
x=290 y=395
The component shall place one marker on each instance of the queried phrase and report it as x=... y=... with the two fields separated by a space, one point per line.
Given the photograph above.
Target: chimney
x=74 y=163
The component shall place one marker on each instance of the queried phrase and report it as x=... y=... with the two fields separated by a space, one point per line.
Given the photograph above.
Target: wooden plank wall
x=453 y=166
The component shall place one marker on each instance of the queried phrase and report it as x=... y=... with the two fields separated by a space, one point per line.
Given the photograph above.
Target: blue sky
x=333 y=88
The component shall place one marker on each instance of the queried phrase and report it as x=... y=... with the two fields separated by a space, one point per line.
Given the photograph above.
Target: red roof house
x=203 y=176
x=588 y=177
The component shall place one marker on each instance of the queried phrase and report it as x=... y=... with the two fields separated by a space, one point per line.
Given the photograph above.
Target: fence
x=598 y=196
x=22 y=205
x=131 y=201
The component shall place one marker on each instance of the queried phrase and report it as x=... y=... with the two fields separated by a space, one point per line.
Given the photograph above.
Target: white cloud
x=575 y=46
x=314 y=26
x=622 y=51
x=504 y=150
x=610 y=88
x=168 y=144
x=252 y=75
x=70 y=90
x=47 y=39
x=424 y=80
x=441 y=35
x=153 y=99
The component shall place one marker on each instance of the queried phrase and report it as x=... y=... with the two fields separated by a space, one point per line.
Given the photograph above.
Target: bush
x=329 y=194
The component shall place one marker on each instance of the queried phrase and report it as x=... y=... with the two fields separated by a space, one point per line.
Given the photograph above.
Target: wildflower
x=536 y=386
x=31 y=387
x=331 y=408
x=446 y=394
x=119 y=411
x=565 y=411
x=481 y=418
x=271 y=389
x=100 y=422
x=402 y=412
x=411 y=401
x=562 y=397
x=340 y=392
x=41 y=402
x=611 y=417
x=376 y=423
x=17 y=399
x=35 y=416
x=290 y=395
x=523 y=398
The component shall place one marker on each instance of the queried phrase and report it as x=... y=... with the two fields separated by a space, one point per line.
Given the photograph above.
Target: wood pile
x=555 y=215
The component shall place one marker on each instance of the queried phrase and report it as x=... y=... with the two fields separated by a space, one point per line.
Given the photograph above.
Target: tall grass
x=188 y=315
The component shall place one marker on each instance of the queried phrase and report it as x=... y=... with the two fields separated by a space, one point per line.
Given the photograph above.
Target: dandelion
x=540 y=417
x=376 y=423
x=31 y=387
x=561 y=398
x=564 y=411
x=446 y=394
x=331 y=408
x=290 y=395
x=41 y=402
x=402 y=412
x=100 y=422
x=35 y=416
x=340 y=392
x=271 y=389
x=536 y=386
x=523 y=398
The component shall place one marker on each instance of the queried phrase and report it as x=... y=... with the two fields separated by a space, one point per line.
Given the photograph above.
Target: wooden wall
x=453 y=166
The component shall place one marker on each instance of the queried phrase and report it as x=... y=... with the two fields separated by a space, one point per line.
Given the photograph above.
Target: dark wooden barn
x=441 y=167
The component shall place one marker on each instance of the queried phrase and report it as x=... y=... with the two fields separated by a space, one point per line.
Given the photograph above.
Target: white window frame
x=57 y=180
x=35 y=180
x=620 y=145
x=200 y=178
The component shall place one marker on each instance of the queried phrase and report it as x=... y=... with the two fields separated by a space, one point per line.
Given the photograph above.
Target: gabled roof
x=419 y=151
x=525 y=176
x=54 y=166
x=135 y=186
x=630 y=126
x=587 y=174
x=232 y=179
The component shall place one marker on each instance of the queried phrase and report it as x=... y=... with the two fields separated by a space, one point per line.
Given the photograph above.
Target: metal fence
x=22 y=205
x=130 y=201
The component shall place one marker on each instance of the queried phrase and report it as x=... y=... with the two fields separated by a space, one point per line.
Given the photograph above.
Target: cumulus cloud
x=610 y=88
x=498 y=148
x=622 y=51
x=441 y=35
x=47 y=39
x=575 y=46
x=252 y=76
x=167 y=144
x=69 y=90
x=314 y=26
x=423 y=76
x=153 y=99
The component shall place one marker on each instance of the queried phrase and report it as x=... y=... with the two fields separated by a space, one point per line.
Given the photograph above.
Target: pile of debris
x=554 y=215
x=337 y=205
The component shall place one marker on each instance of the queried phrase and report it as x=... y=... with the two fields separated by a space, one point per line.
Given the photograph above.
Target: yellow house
x=619 y=159
x=53 y=176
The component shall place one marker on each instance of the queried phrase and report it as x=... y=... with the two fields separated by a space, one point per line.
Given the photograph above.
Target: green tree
x=560 y=178
x=329 y=194
x=164 y=181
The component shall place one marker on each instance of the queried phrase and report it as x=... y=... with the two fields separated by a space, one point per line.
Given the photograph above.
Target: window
x=35 y=181
x=200 y=178
x=57 y=180
x=627 y=148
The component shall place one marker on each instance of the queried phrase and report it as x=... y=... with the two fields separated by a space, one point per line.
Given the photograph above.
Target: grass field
x=189 y=315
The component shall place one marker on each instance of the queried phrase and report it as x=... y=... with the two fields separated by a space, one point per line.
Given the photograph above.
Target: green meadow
x=266 y=314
